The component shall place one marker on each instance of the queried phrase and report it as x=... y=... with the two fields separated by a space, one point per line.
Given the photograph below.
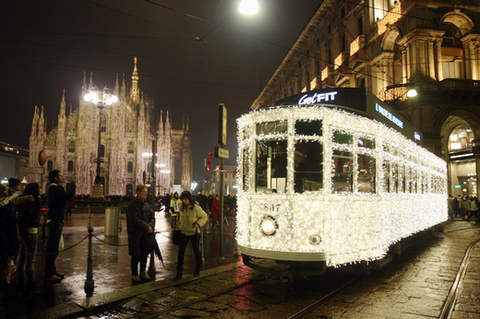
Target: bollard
x=89 y=282
x=112 y=217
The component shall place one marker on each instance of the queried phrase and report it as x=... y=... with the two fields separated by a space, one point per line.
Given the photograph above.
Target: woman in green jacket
x=191 y=220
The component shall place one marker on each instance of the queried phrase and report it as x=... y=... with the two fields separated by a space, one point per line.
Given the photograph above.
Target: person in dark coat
x=57 y=199
x=8 y=229
x=202 y=200
x=28 y=218
x=140 y=223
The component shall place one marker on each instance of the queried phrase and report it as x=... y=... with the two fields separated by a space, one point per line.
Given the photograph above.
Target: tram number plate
x=274 y=208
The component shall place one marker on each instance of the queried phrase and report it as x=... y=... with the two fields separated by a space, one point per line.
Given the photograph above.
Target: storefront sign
x=388 y=115
x=317 y=98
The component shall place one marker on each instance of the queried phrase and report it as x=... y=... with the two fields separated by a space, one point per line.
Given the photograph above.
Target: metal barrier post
x=89 y=282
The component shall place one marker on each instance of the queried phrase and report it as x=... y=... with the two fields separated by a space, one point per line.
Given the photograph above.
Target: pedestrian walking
x=175 y=204
x=471 y=208
x=28 y=219
x=140 y=223
x=15 y=188
x=8 y=231
x=57 y=199
x=191 y=220
x=451 y=210
x=202 y=200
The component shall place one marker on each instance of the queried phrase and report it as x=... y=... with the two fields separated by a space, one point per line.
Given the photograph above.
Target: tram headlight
x=268 y=225
x=315 y=239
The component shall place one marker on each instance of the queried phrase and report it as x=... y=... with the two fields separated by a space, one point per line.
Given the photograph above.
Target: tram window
x=366 y=174
x=245 y=133
x=386 y=175
x=366 y=142
x=308 y=158
x=277 y=127
x=400 y=179
x=394 y=179
x=271 y=166
x=308 y=128
x=246 y=169
x=342 y=138
x=342 y=172
x=413 y=180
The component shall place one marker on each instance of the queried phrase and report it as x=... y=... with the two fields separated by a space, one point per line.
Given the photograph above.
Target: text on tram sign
x=317 y=98
x=388 y=115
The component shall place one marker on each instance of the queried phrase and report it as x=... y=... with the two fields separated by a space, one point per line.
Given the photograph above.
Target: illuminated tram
x=333 y=177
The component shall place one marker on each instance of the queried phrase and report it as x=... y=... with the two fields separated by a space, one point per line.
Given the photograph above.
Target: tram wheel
x=286 y=278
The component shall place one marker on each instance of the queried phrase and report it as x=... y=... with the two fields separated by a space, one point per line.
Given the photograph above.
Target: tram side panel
x=350 y=228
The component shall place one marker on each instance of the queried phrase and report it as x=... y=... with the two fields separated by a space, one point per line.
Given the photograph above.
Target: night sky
x=192 y=55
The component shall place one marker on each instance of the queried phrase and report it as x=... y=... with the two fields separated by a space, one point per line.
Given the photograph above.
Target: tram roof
x=357 y=100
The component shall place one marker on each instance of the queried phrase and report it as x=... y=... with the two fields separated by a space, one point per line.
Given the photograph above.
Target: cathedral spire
x=160 y=125
x=84 y=85
x=90 y=85
x=62 y=105
x=117 y=88
x=167 y=125
x=134 y=93
x=124 y=89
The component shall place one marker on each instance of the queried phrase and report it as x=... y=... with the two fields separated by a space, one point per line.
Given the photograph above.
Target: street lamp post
x=101 y=99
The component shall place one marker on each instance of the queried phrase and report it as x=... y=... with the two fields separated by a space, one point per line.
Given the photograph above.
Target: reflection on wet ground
x=111 y=262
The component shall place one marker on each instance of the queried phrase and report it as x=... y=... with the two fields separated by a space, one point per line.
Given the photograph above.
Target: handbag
x=176 y=237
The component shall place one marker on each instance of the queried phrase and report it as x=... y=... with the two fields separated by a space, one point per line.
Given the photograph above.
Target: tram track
x=449 y=305
x=308 y=309
x=259 y=278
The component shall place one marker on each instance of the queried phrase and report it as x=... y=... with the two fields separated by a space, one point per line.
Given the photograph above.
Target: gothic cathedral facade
x=128 y=129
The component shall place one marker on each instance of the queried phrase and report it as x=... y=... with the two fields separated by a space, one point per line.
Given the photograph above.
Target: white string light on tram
x=380 y=220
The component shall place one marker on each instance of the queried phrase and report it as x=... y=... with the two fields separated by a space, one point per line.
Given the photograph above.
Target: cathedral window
x=49 y=165
x=70 y=166
x=71 y=147
x=103 y=123
x=149 y=167
x=102 y=151
x=131 y=148
x=130 y=167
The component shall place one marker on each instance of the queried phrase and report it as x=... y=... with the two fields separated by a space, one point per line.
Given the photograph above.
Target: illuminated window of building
x=460 y=138
x=453 y=64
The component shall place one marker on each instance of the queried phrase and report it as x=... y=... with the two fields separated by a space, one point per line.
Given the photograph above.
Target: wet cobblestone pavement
x=415 y=285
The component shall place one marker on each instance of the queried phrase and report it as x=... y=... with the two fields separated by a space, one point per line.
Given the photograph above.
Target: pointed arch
x=71 y=146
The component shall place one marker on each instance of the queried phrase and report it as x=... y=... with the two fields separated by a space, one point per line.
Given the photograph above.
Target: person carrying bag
x=191 y=220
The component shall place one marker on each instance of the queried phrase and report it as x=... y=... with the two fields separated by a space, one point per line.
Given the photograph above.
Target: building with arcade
x=390 y=47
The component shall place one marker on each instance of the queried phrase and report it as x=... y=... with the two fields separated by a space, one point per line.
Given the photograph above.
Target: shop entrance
x=462 y=170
